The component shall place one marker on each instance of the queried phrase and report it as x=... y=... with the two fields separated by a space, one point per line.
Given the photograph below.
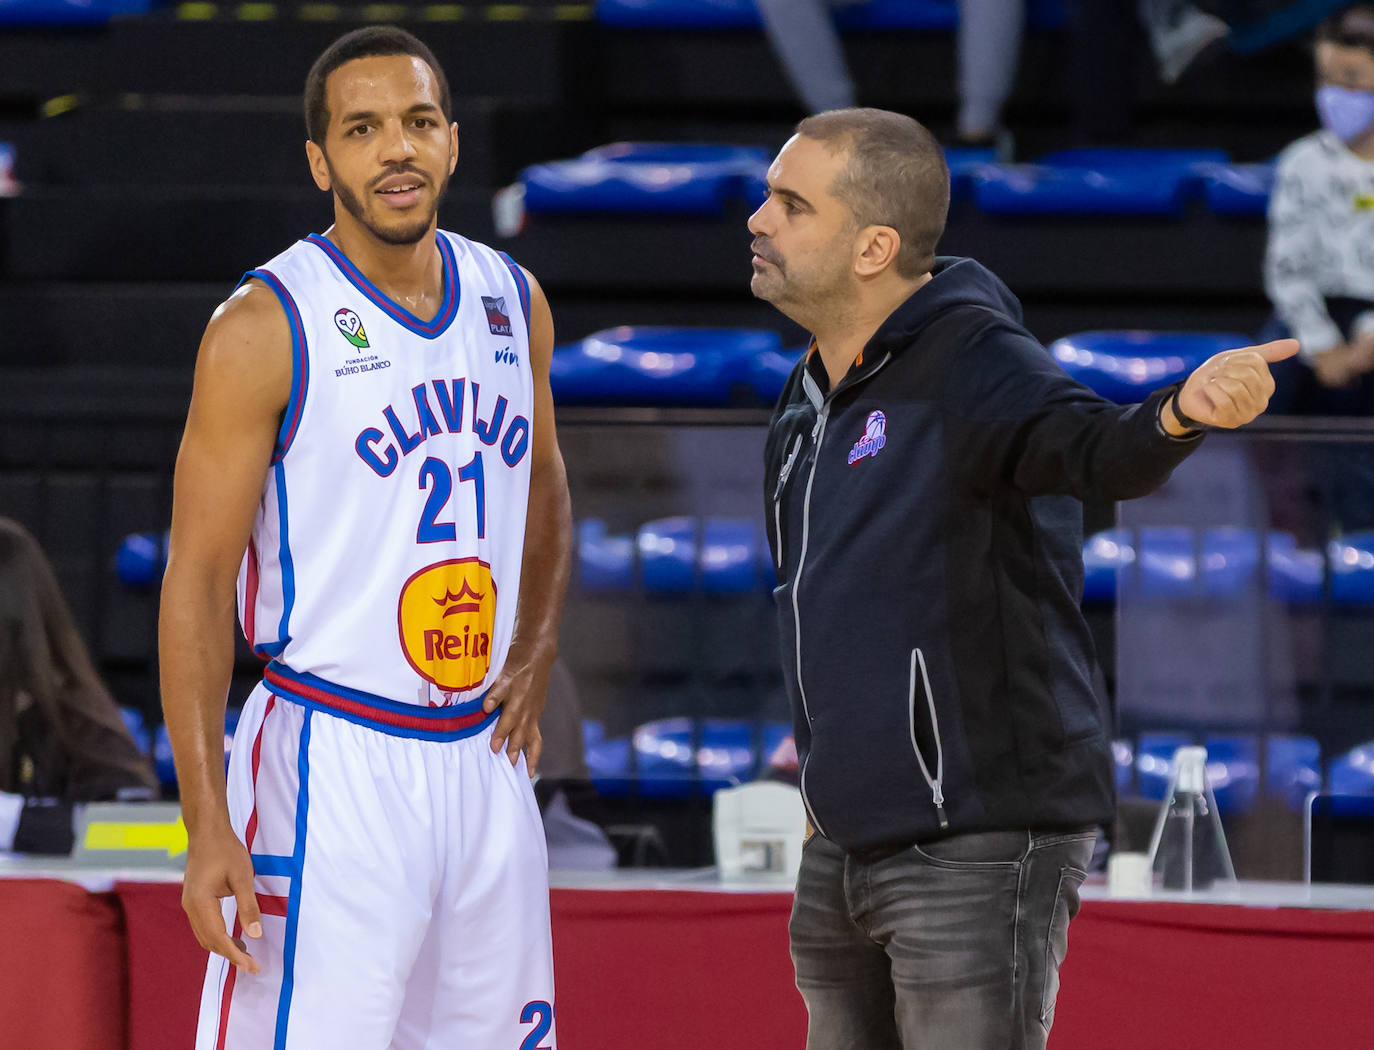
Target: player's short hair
x=1352 y=26
x=368 y=42
x=895 y=176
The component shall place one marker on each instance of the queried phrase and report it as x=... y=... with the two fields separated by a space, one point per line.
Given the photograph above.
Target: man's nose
x=396 y=144
x=756 y=221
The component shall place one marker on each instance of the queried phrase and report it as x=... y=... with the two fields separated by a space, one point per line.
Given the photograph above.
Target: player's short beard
x=399 y=235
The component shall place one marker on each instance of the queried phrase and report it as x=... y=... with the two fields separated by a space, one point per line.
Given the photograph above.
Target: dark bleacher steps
x=526 y=59
x=207 y=141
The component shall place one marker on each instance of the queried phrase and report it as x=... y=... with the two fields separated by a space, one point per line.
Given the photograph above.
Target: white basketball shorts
x=402 y=877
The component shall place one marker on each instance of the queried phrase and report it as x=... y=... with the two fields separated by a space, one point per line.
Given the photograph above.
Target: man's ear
x=319 y=167
x=875 y=250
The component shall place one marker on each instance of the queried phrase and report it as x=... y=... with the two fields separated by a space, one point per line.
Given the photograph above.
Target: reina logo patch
x=447 y=614
x=351 y=325
x=875 y=437
x=498 y=317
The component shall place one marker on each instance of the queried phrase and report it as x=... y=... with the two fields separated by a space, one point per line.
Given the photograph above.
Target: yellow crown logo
x=446 y=615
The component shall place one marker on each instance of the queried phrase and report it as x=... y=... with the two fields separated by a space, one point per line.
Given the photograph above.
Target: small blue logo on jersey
x=351 y=325
x=498 y=317
x=508 y=357
x=875 y=437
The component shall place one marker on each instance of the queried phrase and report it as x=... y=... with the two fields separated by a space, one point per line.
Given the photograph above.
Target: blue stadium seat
x=133 y=722
x=53 y=13
x=1295 y=574
x=1127 y=366
x=162 y=758
x=1096 y=182
x=1237 y=189
x=231 y=726
x=604 y=563
x=869 y=16
x=141 y=558
x=647 y=178
x=1233 y=772
x=608 y=762
x=658 y=366
x=727 y=755
x=768 y=372
x=668 y=555
x=663 y=757
x=729 y=556
x=1105 y=554
x=668 y=768
x=1294 y=769
x=1154 y=761
x=965 y=164
x=1353 y=772
x=1123 y=760
x=1351 y=561
x=1159 y=561
x=1187 y=162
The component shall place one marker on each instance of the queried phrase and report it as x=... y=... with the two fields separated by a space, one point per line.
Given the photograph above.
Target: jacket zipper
x=936 y=783
x=783 y=475
x=817 y=437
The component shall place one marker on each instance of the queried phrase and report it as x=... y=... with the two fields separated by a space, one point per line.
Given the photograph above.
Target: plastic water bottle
x=1188 y=849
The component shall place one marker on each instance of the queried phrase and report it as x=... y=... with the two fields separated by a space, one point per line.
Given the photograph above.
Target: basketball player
x=370 y=455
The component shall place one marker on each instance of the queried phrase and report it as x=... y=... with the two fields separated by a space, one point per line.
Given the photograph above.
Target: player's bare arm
x=242 y=382
x=544 y=568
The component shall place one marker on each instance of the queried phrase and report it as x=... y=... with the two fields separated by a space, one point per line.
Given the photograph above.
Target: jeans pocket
x=1057 y=938
x=976 y=851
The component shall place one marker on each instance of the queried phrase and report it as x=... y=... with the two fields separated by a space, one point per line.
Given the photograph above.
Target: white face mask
x=1346 y=113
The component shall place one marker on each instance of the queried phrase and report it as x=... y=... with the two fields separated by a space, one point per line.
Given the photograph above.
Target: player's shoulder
x=250 y=327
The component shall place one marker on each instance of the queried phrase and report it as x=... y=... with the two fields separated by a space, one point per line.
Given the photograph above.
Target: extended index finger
x=1278 y=350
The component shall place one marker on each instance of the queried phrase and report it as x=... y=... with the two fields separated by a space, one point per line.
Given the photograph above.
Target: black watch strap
x=1183 y=419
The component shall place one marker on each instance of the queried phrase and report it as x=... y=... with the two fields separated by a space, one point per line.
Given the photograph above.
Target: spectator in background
x=61 y=736
x=1319 y=264
x=805 y=39
x=988 y=47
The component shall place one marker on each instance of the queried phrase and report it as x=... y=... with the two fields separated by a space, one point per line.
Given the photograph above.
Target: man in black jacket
x=925 y=467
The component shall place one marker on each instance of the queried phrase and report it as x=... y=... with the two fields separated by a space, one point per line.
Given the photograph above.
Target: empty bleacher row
x=654 y=178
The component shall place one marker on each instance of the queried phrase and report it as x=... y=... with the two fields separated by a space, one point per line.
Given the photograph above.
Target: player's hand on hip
x=519 y=692
x=1231 y=388
x=218 y=866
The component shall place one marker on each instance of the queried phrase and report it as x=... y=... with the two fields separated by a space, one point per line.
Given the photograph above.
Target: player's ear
x=452 y=146
x=319 y=168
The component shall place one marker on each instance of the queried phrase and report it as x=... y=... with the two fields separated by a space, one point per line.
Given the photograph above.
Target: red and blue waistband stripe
x=375 y=712
x=448 y=307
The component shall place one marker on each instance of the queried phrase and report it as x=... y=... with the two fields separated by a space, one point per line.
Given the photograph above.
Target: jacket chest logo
x=873 y=440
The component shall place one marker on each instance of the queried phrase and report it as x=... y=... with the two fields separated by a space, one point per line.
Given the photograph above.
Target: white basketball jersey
x=385 y=559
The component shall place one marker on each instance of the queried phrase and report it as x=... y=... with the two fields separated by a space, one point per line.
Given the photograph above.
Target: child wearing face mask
x=1319 y=264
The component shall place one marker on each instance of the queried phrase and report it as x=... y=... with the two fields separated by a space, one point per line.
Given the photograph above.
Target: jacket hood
x=954 y=282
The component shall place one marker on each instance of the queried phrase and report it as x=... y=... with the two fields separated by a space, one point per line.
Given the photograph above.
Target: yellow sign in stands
x=131 y=834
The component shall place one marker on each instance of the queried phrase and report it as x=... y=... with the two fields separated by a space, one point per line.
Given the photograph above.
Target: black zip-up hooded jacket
x=926 y=522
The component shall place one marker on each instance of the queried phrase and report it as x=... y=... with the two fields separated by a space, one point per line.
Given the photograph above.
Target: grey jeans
x=952 y=945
